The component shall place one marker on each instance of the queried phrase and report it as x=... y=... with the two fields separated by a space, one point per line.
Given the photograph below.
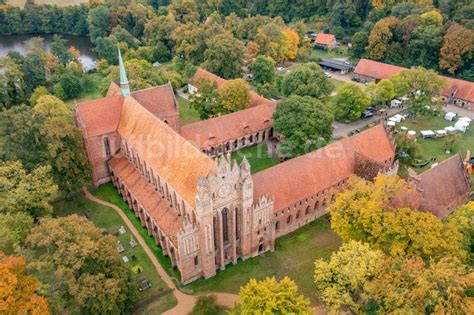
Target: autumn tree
x=367 y=212
x=26 y=192
x=457 y=43
x=341 y=281
x=18 y=290
x=71 y=255
x=381 y=36
x=350 y=102
x=206 y=101
x=234 y=95
x=62 y=144
x=292 y=40
x=270 y=296
x=307 y=80
x=413 y=286
x=14 y=227
x=190 y=42
x=304 y=122
x=263 y=70
x=224 y=56
x=37 y=93
x=463 y=219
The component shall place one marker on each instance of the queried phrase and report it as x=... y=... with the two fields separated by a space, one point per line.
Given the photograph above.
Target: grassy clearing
x=339 y=52
x=257 y=156
x=106 y=218
x=336 y=83
x=108 y=193
x=294 y=256
x=187 y=113
x=436 y=147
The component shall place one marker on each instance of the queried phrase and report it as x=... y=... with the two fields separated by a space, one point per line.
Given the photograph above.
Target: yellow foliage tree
x=234 y=96
x=270 y=296
x=412 y=286
x=17 y=289
x=432 y=17
x=292 y=42
x=340 y=282
x=380 y=36
x=366 y=212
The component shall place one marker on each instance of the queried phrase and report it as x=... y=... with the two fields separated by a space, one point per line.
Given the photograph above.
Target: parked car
x=327 y=74
x=371 y=109
x=366 y=114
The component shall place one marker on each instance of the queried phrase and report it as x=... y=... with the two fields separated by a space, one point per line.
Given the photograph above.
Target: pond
x=82 y=43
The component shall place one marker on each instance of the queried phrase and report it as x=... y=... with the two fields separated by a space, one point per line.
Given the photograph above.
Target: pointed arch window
x=225 y=227
x=107 y=147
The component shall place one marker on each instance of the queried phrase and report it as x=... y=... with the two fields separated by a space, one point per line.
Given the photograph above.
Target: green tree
x=106 y=48
x=98 y=21
x=400 y=85
x=14 y=227
x=205 y=305
x=380 y=93
x=305 y=123
x=350 y=101
x=359 y=42
x=407 y=148
x=37 y=93
x=23 y=192
x=34 y=72
x=341 y=281
x=71 y=255
x=12 y=83
x=263 y=70
x=270 y=296
x=71 y=84
x=224 y=56
x=234 y=95
x=59 y=48
x=62 y=143
x=206 y=101
x=307 y=80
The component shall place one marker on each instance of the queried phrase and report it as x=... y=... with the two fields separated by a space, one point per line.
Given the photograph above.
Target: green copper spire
x=123 y=76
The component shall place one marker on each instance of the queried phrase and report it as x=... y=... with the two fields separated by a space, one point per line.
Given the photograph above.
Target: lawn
x=337 y=83
x=340 y=52
x=187 y=113
x=108 y=193
x=436 y=147
x=257 y=156
x=294 y=256
x=106 y=218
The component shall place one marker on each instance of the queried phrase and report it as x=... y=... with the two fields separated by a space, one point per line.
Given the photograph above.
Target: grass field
x=257 y=156
x=187 y=113
x=436 y=147
x=340 y=52
x=61 y=3
x=106 y=218
x=108 y=193
x=294 y=256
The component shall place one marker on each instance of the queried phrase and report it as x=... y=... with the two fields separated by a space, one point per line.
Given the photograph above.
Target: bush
x=205 y=305
x=58 y=91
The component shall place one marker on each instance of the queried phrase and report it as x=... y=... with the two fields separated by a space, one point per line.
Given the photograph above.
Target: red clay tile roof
x=324 y=39
x=114 y=89
x=159 y=100
x=377 y=70
x=462 y=89
x=166 y=218
x=255 y=99
x=229 y=127
x=179 y=162
x=101 y=116
x=445 y=186
x=303 y=177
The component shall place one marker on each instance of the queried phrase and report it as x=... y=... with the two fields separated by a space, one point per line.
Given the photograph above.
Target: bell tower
x=124 y=85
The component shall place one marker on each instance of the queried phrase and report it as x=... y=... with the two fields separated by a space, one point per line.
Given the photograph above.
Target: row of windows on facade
x=243 y=142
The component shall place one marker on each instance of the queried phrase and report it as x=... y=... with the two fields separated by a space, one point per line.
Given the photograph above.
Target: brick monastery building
x=207 y=212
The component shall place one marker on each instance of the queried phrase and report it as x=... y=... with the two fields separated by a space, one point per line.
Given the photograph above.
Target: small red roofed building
x=325 y=41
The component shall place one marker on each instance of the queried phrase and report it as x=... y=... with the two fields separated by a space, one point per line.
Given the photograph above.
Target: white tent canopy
x=449 y=116
x=427 y=133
